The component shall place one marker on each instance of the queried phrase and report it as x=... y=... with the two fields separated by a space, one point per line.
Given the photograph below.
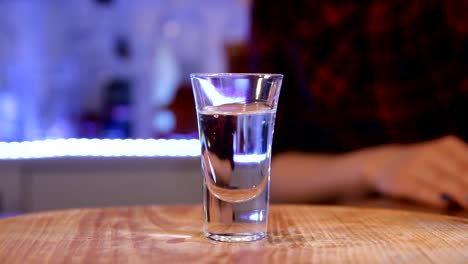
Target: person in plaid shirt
x=374 y=98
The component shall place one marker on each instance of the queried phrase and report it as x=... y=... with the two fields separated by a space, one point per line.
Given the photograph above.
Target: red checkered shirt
x=364 y=73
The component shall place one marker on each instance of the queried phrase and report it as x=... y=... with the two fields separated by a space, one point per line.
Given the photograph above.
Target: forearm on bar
x=305 y=177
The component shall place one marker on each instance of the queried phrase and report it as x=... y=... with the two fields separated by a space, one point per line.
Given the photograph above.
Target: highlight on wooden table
x=173 y=234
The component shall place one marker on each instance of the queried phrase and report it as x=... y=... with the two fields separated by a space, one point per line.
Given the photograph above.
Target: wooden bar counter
x=172 y=234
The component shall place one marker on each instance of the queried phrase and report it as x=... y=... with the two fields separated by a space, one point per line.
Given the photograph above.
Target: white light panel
x=99 y=148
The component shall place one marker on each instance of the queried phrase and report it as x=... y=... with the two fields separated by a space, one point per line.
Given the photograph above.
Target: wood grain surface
x=172 y=234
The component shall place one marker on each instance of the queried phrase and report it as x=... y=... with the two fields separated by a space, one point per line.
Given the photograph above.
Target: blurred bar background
x=110 y=68
x=107 y=69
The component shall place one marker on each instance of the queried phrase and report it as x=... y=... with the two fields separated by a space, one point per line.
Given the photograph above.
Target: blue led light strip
x=100 y=148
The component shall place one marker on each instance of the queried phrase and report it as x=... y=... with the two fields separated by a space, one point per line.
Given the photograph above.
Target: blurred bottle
x=90 y=125
x=117 y=109
x=8 y=116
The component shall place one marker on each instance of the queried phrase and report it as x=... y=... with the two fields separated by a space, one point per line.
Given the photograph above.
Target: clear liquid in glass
x=236 y=154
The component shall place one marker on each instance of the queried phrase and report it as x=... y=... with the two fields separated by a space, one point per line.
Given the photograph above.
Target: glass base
x=242 y=237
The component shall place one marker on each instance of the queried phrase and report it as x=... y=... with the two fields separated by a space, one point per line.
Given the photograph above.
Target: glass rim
x=228 y=74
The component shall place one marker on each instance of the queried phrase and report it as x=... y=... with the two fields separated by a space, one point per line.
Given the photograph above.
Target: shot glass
x=236 y=117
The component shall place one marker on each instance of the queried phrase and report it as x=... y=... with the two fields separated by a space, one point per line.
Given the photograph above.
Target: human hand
x=433 y=172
